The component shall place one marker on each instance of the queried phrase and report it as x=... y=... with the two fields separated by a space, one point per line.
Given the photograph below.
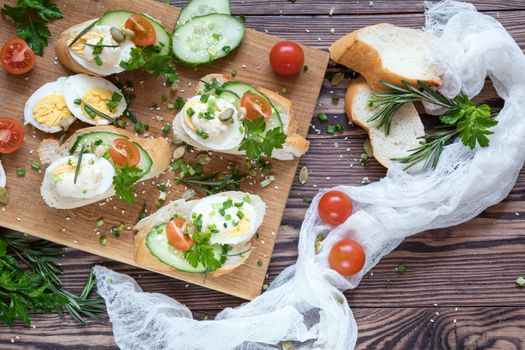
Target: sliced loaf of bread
x=404 y=132
x=386 y=52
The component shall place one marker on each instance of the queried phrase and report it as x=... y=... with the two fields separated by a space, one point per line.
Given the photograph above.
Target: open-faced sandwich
x=237 y=118
x=98 y=162
x=209 y=235
x=99 y=46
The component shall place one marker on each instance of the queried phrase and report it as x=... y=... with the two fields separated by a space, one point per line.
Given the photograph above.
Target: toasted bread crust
x=63 y=53
x=351 y=52
x=351 y=92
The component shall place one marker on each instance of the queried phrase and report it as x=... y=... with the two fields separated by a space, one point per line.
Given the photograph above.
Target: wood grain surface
x=78 y=228
x=458 y=291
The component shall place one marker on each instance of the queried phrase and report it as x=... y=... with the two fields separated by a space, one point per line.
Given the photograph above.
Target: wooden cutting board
x=26 y=211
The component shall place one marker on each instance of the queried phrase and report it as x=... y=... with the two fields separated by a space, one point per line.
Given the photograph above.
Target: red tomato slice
x=124 y=152
x=144 y=32
x=11 y=135
x=334 y=207
x=256 y=106
x=347 y=257
x=176 y=238
x=17 y=57
x=287 y=58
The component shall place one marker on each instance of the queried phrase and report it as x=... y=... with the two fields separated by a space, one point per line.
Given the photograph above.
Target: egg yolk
x=242 y=227
x=97 y=98
x=49 y=110
x=79 y=45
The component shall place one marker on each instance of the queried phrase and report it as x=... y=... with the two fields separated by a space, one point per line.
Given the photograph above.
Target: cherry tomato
x=256 y=106
x=347 y=257
x=176 y=237
x=11 y=135
x=124 y=152
x=144 y=32
x=334 y=207
x=17 y=57
x=287 y=58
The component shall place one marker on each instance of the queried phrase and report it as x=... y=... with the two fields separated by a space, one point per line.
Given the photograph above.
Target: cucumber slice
x=198 y=8
x=119 y=17
x=207 y=38
x=94 y=138
x=158 y=246
x=274 y=121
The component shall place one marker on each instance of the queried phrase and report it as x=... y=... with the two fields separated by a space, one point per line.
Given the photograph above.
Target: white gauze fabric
x=304 y=306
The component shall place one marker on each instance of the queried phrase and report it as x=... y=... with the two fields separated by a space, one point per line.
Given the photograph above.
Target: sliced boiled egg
x=3 y=179
x=86 y=95
x=47 y=110
x=212 y=122
x=95 y=176
x=230 y=221
x=98 y=51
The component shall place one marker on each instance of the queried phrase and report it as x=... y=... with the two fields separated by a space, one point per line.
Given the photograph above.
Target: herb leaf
x=123 y=181
x=257 y=142
x=31 y=17
x=149 y=60
x=203 y=253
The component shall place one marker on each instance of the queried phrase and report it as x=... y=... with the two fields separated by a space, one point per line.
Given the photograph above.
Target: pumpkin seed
x=117 y=35
x=337 y=78
x=339 y=297
x=226 y=115
x=4 y=196
x=368 y=148
x=179 y=152
x=128 y=33
x=64 y=123
x=203 y=158
x=303 y=175
x=188 y=194
x=287 y=345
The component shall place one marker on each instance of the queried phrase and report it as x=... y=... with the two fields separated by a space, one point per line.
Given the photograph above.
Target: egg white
x=225 y=235
x=55 y=87
x=76 y=86
x=3 y=178
x=228 y=139
x=95 y=176
x=112 y=55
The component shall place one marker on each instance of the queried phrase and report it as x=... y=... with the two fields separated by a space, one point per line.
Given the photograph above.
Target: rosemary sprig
x=43 y=258
x=212 y=183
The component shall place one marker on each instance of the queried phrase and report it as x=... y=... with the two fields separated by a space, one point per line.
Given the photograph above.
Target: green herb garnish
x=149 y=60
x=123 y=181
x=20 y=172
x=322 y=117
x=257 y=141
x=79 y=162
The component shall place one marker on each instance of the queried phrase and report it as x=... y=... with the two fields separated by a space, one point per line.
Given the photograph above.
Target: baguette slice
x=183 y=208
x=295 y=145
x=51 y=150
x=389 y=53
x=405 y=130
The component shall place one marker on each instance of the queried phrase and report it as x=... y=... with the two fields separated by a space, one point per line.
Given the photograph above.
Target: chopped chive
x=100 y=222
x=330 y=129
x=77 y=169
x=166 y=128
x=204 y=98
x=401 y=268
x=284 y=91
x=78 y=101
x=21 y=172
x=35 y=165
x=121 y=122
x=234 y=72
x=102 y=240
x=307 y=199
x=98 y=61
x=322 y=117
x=216 y=36
x=82 y=32
x=226 y=49
x=190 y=111
x=179 y=103
x=116 y=97
x=242 y=17
x=339 y=127
x=139 y=127
x=335 y=99
x=305 y=68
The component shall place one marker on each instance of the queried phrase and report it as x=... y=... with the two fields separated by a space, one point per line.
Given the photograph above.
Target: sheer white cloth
x=304 y=304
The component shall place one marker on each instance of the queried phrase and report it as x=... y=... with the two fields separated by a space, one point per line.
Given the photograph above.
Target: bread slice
x=405 y=130
x=51 y=150
x=183 y=208
x=63 y=53
x=386 y=52
x=295 y=145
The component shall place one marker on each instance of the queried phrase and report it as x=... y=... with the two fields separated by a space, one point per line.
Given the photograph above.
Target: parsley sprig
x=124 y=179
x=149 y=60
x=202 y=252
x=463 y=119
x=257 y=141
x=31 y=17
x=38 y=288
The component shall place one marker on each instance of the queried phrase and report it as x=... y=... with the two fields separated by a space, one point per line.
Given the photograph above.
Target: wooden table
x=458 y=291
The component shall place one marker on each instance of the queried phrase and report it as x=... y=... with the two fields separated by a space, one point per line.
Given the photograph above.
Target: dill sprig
x=43 y=257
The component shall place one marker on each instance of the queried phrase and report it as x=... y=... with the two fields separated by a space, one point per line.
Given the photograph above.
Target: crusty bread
x=389 y=53
x=63 y=53
x=50 y=150
x=295 y=145
x=183 y=208
x=404 y=132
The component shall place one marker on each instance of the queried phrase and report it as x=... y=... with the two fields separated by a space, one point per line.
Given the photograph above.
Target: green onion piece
x=78 y=101
x=330 y=129
x=102 y=240
x=401 y=268
x=322 y=117
x=307 y=199
x=138 y=127
x=190 y=111
x=98 y=61
x=305 y=68
x=171 y=106
x=35 y=165
x=21 y=172
x=204 y=98
x=339 y=127
x=234 y=72
x=335 y=99
x=166 y=128
x=100 y=222
x=179 y=103
x=520 y=281
x=90 y=111
x=121 y=122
